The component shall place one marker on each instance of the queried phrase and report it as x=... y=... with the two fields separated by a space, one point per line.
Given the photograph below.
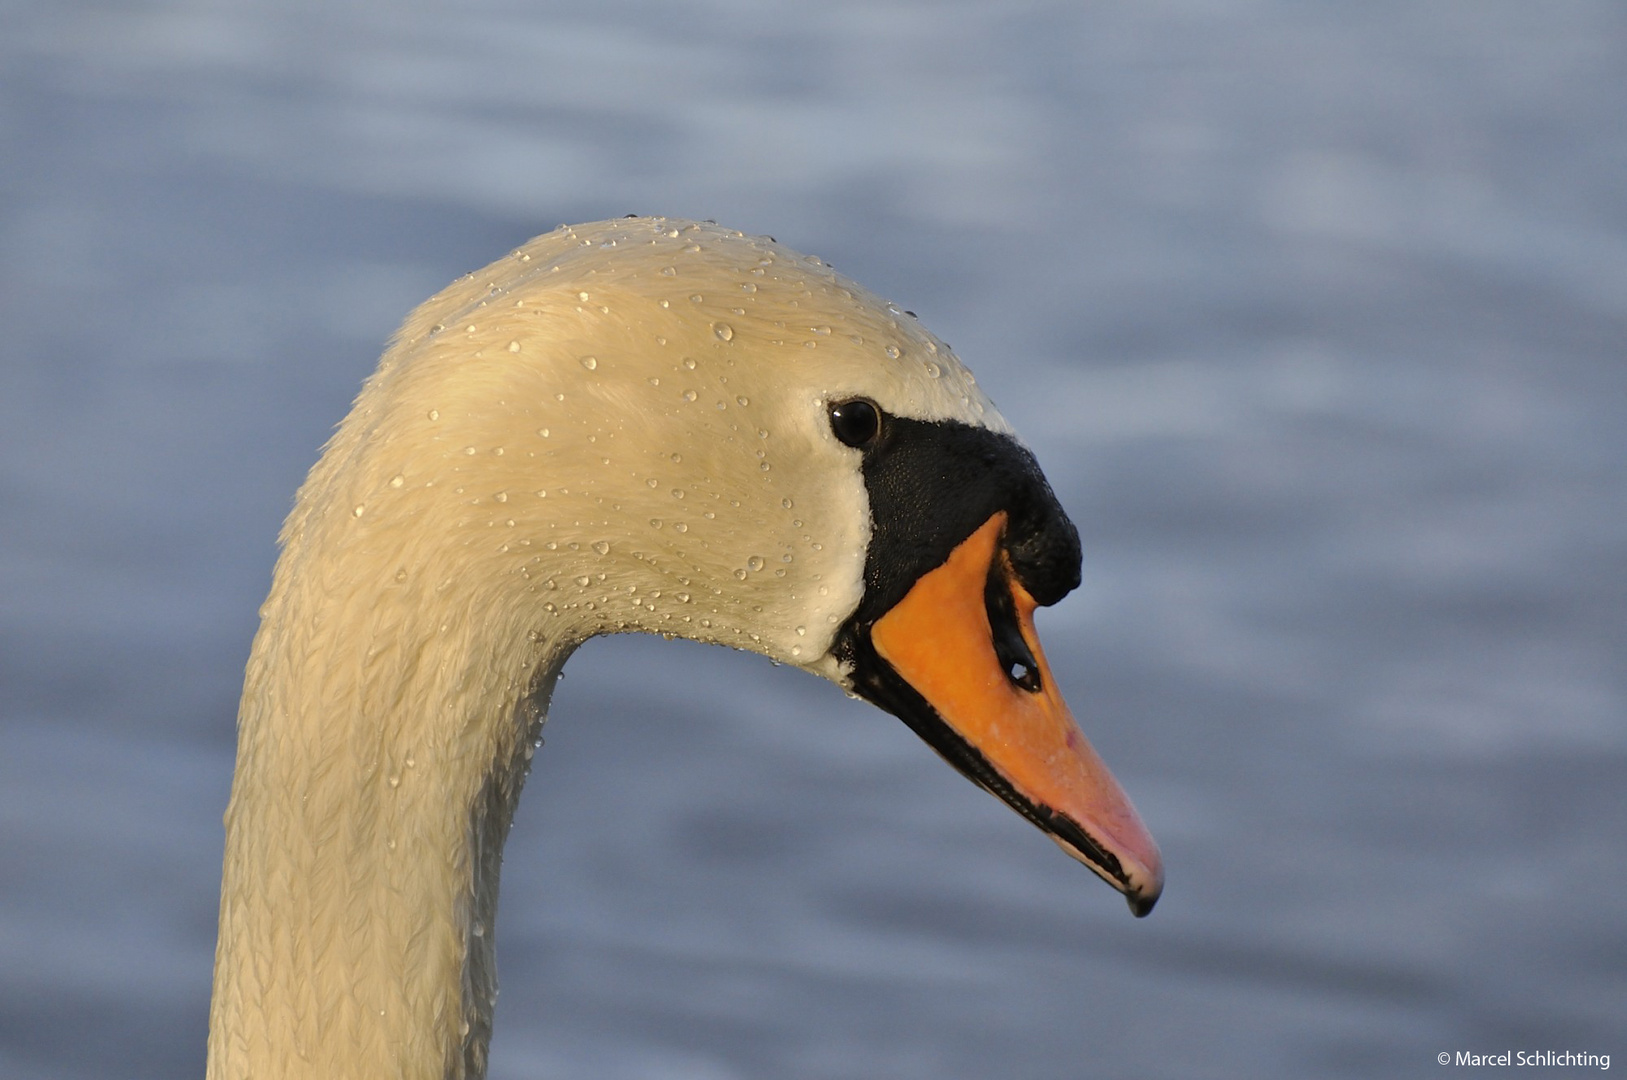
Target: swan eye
x=856 y=422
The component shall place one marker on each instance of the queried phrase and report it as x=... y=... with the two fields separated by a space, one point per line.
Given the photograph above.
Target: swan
x=636 y=425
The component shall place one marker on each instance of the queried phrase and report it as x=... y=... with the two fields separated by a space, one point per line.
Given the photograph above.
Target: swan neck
x=378 y=771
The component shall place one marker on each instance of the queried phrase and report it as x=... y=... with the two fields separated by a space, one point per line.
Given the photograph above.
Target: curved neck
x=379 y=766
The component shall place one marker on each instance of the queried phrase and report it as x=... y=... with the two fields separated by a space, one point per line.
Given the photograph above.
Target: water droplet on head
x=786 y=503
x=754 y=563
x=359 y=510
x=434 y=414
x=514 y=346
x=932 y=369
x=724 y=331
x=742 y=401
x=689 y=362
x=590 y=362
x=681 y=527
x=690 y=395
x=602 y=547
x=892 y=351
x=397 y=480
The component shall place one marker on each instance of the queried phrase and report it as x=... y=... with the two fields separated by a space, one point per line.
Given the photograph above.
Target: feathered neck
x=385 y=732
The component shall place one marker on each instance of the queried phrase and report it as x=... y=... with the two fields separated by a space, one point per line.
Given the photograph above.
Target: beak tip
x=1143 y=880
x=1141 y=903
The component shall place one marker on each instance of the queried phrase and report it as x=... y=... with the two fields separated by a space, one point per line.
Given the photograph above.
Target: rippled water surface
x=1315 y=314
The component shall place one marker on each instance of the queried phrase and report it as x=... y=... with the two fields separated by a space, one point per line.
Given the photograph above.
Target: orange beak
x=989 y=683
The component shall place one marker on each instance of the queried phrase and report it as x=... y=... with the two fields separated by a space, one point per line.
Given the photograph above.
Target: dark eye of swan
x=856 y=422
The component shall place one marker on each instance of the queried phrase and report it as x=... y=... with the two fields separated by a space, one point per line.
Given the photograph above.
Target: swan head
x=666 y=426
